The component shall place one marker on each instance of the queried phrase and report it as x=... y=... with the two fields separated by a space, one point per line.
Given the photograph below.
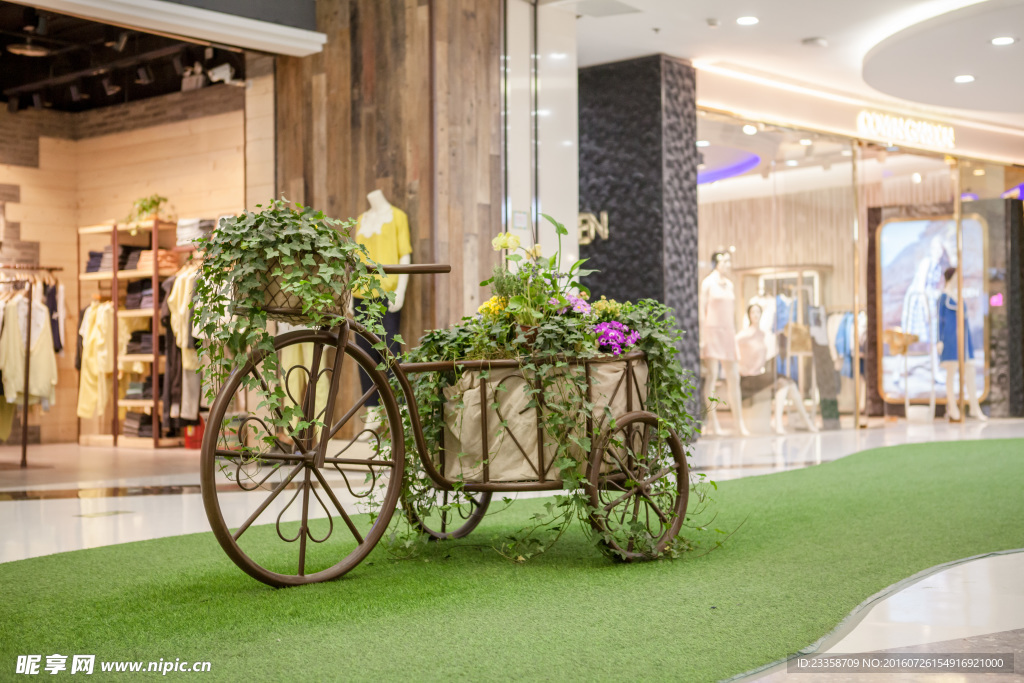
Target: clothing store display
x=948 y=333
x=179 y=308
x=171 y=386
x=42 y=380
x=97 y=332
x=388 y=243
x=719 y=331
x=55 y=304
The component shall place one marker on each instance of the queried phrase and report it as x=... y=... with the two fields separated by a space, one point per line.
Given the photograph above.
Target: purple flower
x=615 y=336
x=577 y=305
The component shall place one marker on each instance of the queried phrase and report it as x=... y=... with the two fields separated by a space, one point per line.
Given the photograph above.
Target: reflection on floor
x=974 y=607
x=82 y=497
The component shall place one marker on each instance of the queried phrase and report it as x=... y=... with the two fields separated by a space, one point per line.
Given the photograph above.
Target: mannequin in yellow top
x=384 y=231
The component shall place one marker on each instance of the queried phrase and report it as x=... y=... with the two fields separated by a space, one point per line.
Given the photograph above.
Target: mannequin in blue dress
x=948 y=353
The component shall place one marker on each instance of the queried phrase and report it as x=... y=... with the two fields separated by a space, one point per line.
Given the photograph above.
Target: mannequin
x=384 y=231
x=752 y=346
x=718 y=338
x=948 y=353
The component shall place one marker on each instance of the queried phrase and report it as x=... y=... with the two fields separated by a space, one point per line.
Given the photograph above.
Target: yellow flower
x=505 y=240
x=493 y=307
x=534 y=253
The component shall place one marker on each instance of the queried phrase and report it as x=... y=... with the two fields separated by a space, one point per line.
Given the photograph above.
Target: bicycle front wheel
x=280 y=515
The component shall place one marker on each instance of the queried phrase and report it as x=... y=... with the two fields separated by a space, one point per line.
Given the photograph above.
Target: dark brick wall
x=620 y=172
x=1015 y=303
x=679 y=202
x=156 y=111
x=638 y=162
x=20 y=132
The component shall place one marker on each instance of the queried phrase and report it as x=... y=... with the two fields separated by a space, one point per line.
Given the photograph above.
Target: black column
x=638 y=162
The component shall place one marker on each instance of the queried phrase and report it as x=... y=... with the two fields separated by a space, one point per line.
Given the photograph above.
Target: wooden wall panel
x=197 y=164
x=260 y=172
x=358 y=116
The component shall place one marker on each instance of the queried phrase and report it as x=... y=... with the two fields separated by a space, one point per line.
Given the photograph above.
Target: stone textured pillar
x=638 y=162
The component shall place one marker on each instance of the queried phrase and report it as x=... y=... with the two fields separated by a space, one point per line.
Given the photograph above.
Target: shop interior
x=806 y=324
x=120 y=148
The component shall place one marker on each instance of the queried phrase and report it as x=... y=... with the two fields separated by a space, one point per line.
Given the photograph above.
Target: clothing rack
x=28 y=348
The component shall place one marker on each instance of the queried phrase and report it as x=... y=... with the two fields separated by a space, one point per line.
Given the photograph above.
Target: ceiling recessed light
x=916 y=178
x=750 y=130
x=963 y=78
x=558 y=55
x=847 y=153
x=979 y=171
x=747 y=21
x=806 y=142
x=703 y=143
x=791 y=162
x=1003 y=40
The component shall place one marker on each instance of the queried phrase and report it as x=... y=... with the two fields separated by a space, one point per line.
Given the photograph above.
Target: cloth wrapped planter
x=500 y=399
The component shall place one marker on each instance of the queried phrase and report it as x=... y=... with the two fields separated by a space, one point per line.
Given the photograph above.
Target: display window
x=832 y=275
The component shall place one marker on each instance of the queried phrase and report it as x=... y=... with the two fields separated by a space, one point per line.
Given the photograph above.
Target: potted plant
x=283 y=262
x=544 y=411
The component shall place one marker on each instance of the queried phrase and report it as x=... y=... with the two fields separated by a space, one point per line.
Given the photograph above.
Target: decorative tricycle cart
x=285 y=504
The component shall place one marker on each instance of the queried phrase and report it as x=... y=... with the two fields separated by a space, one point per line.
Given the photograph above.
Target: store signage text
x=898 y=129
x=590 y=227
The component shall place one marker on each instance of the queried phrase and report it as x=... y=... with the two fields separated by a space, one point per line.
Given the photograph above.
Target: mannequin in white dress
x=717 y=313
x=752 y=346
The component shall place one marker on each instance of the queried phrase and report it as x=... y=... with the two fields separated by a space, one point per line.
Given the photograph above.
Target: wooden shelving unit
x=155 y=361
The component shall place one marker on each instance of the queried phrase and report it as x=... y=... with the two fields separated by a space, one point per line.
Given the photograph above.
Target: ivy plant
x=294 y=247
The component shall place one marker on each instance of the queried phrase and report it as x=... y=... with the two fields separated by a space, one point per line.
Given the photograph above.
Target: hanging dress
x=948 y=331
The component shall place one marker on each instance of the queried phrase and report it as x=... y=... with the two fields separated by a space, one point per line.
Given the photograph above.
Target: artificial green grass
x=816 y=542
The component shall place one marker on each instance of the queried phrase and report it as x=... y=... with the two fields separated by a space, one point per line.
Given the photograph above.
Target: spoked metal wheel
x=444 y=515
x=639 y=485
x=287 y=504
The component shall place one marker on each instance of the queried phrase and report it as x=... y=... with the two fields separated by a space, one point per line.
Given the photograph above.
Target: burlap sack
x=512 y=434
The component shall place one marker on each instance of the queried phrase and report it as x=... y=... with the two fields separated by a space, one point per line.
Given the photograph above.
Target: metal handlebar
x=417 y=269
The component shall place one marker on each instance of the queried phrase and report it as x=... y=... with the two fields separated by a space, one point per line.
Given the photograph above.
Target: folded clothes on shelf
x=95 y=261
x=164 y=260
x=138 y=424
x=191 y=229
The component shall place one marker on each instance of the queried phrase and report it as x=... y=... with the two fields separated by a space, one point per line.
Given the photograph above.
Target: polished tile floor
x=973 y=607
x=74 y=497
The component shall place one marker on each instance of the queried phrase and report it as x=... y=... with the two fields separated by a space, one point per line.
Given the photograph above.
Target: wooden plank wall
x=260 y=172
x=357 y=117
x=197 y=164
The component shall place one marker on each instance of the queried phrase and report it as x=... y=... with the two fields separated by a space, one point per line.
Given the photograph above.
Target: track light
x=110 y=87
x=179 y=68
x=12 y=104
x=144 y=75
x=121 y=42
x=37 y=100
x=76 y=92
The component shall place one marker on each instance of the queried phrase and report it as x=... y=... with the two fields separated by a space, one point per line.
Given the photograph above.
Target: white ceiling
x=930 y=54
x=773 y=47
